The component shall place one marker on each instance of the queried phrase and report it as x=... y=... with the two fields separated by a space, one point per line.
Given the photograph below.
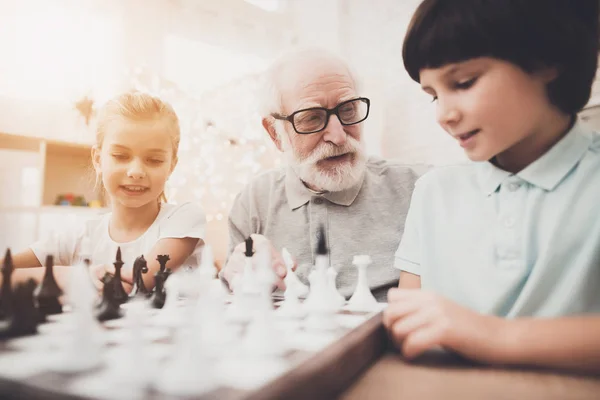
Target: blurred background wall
x=62 y=58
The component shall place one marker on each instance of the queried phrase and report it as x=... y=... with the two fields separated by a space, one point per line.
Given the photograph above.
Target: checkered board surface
x=315 y=363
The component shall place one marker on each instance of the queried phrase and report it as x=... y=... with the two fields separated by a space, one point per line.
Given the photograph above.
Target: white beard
x=340 y=177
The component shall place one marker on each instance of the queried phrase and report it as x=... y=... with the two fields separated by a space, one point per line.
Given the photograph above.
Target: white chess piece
x=82 y=350
x=362 y=299
x=244 y=293
x=262 y=337
x=204 y=274
x=210 y=306
x=319 y=303
x=291 y=279
x=189 y=370
x=336 y=298
x=291 y=306
x=135 y=370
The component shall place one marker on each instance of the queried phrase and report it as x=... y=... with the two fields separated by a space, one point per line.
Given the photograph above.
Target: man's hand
x=234 y=269
x=418 y=321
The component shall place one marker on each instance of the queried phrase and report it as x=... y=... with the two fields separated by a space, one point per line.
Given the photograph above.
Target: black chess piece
x=249 y=244
x=162 y=261
x=23 y=316
x=110 y=307
x=159 y=294
x=47 y=292
x=140 y=266
x=6 y=290
x=322 y=241
x=119 y=293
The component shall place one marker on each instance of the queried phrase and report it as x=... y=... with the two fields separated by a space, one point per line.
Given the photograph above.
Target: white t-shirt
x=173 y=221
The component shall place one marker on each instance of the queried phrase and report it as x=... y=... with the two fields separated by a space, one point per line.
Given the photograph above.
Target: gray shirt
x=365 y=219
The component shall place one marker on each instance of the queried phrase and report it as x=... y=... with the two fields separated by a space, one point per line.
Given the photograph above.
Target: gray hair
x=271 y=100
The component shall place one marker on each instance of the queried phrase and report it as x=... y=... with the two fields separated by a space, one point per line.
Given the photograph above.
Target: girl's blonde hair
x=139 y=106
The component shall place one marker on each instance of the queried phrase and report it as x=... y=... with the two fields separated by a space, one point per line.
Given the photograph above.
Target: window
x=59 y=50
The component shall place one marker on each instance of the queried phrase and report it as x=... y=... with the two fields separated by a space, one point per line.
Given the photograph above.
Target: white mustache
x=327 y=150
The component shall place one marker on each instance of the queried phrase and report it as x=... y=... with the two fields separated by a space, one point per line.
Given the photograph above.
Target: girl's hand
x=97 y=272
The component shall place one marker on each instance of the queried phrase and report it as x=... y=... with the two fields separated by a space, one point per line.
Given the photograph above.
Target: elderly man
x=314 y=116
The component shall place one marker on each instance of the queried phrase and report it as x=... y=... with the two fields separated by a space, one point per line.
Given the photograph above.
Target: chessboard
x=188 y=337
x=142 y=350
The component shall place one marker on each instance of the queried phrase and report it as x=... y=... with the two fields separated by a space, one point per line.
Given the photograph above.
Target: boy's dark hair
x=529 y=33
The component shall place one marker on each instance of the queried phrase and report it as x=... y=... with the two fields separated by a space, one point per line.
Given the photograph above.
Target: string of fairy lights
x=223 y=144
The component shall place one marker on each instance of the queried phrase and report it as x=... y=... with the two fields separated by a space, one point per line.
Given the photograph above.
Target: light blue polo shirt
x=525 y=244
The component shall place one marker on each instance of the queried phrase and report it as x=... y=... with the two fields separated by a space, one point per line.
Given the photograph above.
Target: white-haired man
x=314 y=116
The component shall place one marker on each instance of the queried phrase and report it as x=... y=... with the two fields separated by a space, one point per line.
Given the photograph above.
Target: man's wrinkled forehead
x=316 y=83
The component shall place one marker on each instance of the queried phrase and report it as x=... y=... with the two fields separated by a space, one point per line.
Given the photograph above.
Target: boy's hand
x=418 y=321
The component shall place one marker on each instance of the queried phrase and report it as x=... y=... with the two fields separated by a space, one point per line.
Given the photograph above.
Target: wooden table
x=443 y=376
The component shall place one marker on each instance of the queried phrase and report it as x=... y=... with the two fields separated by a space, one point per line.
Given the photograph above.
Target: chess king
x=137 y=141
x=314 y=111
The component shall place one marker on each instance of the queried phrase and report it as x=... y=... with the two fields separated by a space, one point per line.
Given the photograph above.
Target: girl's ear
x=96 y=158
x=173 y=164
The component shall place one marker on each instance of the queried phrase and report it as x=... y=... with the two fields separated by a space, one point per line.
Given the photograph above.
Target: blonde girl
x=134 y=154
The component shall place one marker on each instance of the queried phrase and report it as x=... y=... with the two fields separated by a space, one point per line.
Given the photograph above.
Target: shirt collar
x=547 y=171
x=298 y=194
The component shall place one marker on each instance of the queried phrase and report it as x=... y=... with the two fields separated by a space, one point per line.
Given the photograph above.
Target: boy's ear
x=269 y=124
x=548 y=74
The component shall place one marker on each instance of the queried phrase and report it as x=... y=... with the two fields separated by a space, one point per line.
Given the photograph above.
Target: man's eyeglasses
x=315 y=119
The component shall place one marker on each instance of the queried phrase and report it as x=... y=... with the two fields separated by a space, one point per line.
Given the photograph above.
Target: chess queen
x=135 y=152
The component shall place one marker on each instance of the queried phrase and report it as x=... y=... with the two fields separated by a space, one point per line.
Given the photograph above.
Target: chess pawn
x=110 y=307
x=337 y=299
x=291 y=306
x=291 y=279
x=23 y=317
x=47 y=292
x=6 y=291
x=362 y=299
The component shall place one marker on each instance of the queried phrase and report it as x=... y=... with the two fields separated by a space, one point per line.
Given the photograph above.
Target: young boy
x=515 y=236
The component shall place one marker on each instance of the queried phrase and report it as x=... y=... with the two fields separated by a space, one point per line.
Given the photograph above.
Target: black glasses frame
x=329 y=111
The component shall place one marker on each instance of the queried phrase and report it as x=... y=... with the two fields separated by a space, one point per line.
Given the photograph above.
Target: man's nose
x=335 y=132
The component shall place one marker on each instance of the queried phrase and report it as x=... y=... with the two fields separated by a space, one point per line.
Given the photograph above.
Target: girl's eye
x=119 y=156
x=155 y=161
x=465 y=84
